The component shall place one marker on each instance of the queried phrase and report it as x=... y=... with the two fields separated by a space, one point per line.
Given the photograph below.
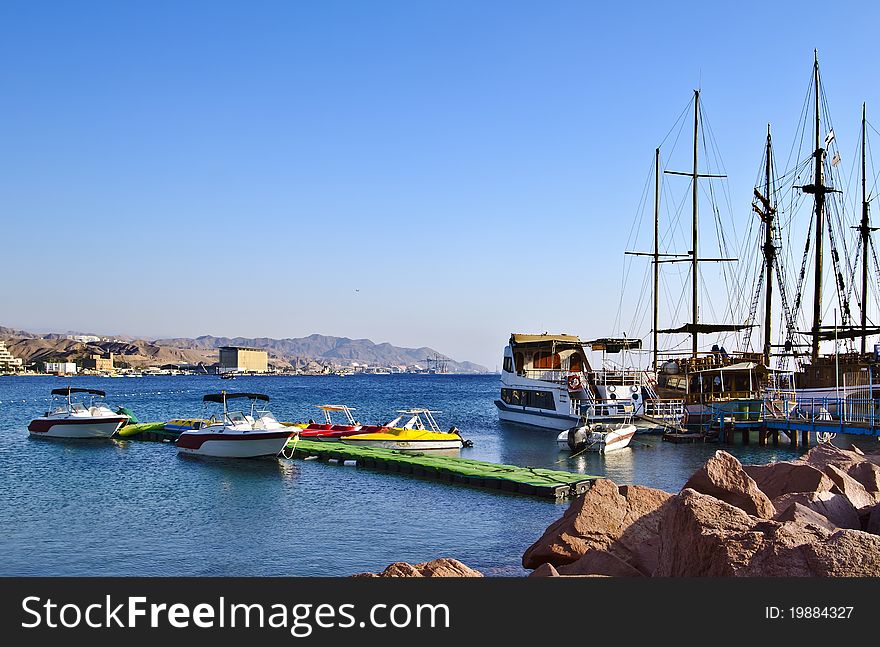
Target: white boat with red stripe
x=235 y=434
x=75 y=419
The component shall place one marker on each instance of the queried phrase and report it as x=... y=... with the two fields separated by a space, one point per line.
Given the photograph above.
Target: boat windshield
x=77 y=407
x=265 y=420
x=236 y=418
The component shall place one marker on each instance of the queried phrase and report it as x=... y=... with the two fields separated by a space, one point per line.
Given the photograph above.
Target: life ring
x=611 y=388
x=634 y=388
x=574 y=383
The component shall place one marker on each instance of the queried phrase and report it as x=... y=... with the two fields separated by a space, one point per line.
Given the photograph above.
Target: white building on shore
x=61 y=368
x=8 y=363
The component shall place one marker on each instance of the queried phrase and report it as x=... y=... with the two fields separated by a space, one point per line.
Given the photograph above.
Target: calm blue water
x=137 y=508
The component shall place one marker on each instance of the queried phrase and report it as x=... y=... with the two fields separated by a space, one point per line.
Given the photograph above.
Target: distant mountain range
x=336 y=350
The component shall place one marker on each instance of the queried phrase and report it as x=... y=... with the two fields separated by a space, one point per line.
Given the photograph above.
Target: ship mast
x=818 y=189
x=769 y=249
x=865 y=231
x=820 y=218
x=656 y=257
x=695 y=313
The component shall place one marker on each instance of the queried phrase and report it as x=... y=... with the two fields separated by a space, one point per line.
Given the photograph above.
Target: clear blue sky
x=422 y=173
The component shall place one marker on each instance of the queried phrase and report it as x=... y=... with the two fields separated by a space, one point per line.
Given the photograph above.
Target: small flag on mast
x=829 y=137
x=836 y=159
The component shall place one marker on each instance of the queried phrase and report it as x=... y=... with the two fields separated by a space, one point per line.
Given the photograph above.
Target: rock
x=873 y=524
x=600 y=562
x=723 y=477
x=695 y=537
x=868 y=474
x=801 y=514
x=826 y=454
x=777 y=479
x=834 y=507
x=702 y=536
x=443 y=567
x=847 y=553
x=544 y=570
x=850 y=487
x=624 y=521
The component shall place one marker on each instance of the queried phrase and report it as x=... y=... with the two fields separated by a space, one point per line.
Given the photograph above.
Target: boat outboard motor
x=577 y=438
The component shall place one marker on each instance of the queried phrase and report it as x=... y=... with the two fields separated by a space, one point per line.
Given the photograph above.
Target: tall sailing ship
x=821 y=377
x=714 y=383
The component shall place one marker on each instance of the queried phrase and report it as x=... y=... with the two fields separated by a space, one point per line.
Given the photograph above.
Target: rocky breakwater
x=815 y=516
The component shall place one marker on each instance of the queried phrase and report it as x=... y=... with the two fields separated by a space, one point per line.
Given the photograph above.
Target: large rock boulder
x=835 y=507
x=694 y=537
x=724 y=478
x=600 y=562
x=544 y=570
x=777 y=479
x=866 y=473
x=798 y=513
x=443 y=567
x=702 y=536
x=825 y=454
x=621 y=520
x=850 y=487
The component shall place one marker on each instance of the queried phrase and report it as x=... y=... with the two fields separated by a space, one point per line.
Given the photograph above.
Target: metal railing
x=664 y=409
x=849 y=410
x=601 y=408
x=632 y=377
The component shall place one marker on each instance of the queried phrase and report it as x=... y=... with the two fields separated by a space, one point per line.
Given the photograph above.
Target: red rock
x=600 y=562
x=847 y=553
x=623 y=521
x=544 y=570
x=827 y=454
x=850 y=488
x=803 y=515
x=723 y=477
x=777 y=479
x=834 y=507
x=694 y=537
x=443 y=567
x=866 y=473
x=703 y=536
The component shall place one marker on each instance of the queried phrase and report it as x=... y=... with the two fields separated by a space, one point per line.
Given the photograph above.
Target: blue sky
x=422 y=173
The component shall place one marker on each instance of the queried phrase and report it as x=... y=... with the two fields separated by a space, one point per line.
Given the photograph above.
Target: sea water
x=127 y=508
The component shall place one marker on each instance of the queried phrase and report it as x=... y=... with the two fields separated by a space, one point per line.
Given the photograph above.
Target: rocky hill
x=341 y=350
x=203 y=350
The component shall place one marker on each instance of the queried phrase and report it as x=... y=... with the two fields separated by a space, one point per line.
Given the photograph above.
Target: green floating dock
x=534 y=481
x=154 y=431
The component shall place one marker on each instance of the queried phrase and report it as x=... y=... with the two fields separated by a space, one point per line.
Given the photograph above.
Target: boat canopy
x=334 y=407
x=690 y=328
x=739 y=366
x=67 y=390
x=612 y=345
x=849 y=332
x=543 y=339
x=219 y=397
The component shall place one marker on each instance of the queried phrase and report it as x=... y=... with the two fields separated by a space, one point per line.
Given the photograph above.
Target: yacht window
x=508 y=365
x=541 y=399
x=520 y=362
x=547 y=360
